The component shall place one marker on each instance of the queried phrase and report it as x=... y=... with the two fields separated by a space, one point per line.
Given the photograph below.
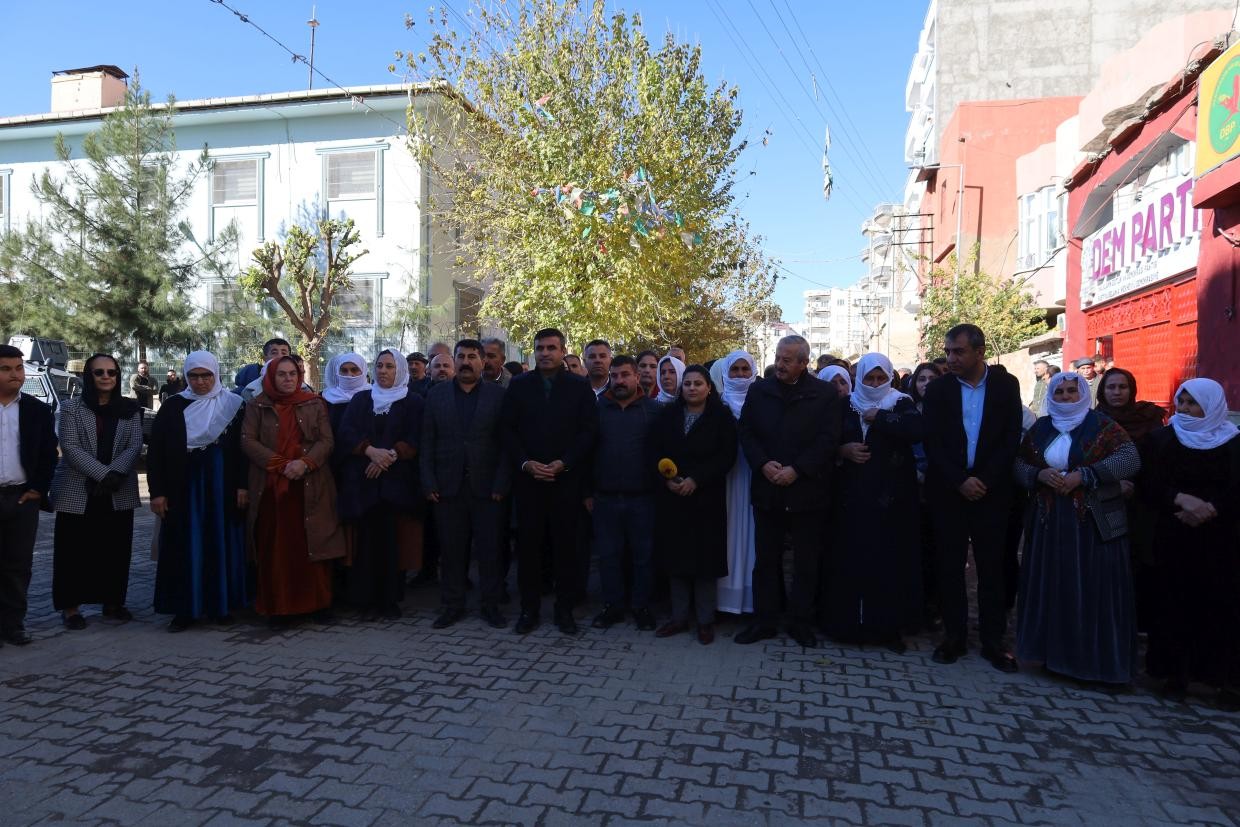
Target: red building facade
x=1151 y=281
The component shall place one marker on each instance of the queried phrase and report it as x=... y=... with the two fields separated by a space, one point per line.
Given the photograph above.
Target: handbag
x=1109 y=509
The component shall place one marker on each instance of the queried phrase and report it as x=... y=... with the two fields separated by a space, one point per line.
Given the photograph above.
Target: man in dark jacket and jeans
x=622 y=499
x=789 y=429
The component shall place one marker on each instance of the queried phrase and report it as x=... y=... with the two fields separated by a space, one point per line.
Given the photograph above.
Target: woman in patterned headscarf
x=1076 y=613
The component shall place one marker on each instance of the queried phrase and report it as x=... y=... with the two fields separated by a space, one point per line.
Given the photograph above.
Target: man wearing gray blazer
x=467 y=478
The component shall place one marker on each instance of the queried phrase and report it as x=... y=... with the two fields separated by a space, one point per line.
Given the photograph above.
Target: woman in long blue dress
x=1077 y=613
x=197 y=478
x=735 y=591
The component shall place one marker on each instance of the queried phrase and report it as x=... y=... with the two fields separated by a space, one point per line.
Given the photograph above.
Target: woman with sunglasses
x=94 y=494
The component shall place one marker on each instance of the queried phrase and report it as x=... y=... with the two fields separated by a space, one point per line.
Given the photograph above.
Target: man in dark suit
x=789 y=430
x=551 y=421
x=27 y=459
x=972 y=419
x=465 y=475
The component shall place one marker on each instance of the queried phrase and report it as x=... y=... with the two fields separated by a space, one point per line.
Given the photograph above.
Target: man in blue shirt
x=973 y=420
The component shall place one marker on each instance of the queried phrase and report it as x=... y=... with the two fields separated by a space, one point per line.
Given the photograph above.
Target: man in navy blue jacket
x=551 y=421
x=27 y=459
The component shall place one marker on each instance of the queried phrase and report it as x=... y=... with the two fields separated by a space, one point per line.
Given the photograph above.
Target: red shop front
x=1136 y=291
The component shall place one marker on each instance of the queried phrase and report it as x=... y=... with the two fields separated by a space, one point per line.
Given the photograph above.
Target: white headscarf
x=1065 y=416
x=735 y=389
x=1208 y=431
x=865 y=398
x=384 y=397
x=206 y=416
x=664 y=397
x=831 y=371
x=342 y=388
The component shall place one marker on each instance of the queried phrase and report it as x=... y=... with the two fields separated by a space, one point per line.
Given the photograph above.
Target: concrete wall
x=1007 y=49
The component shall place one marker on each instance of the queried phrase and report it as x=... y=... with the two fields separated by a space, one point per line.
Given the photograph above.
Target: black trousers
x=18 y=526
x=547 y=511
x=805 y=530
x=983 y=524
x=467 y=523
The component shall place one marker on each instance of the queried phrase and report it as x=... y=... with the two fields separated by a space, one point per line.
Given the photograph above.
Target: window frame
x=380 y=150
x=260 y=191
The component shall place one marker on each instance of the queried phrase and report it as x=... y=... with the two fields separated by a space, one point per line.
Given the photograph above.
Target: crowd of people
x=1084 y=512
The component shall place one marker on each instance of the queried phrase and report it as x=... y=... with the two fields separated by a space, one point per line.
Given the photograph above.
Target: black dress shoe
x=448 y=617
x=118 y=613
x=324 y=617
x=526 y=623
x=754 y=634
x=492 y=616
x=610 y=616
x=803 y=634
x=949 y=651
x=565 y=622
x=73 y=621
x=18 y=637
x=897 y=645
x=1001 y=660
x=644 y=620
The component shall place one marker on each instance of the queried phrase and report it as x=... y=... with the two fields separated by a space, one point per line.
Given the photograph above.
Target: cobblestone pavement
x=395 y=723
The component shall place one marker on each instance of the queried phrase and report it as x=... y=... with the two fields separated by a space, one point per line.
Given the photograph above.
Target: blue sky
x=857 y=55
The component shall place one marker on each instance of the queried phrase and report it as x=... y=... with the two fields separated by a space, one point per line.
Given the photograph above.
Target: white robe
x=735 y=592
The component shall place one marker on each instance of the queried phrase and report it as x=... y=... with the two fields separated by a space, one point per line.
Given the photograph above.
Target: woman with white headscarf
x=1076 y=614
x=872 y=591
x=671 y=372
x=378 y=441
x=735 y=592
x=343 y=378
x=1193 y=486
x=838 y=377
x=197 y=479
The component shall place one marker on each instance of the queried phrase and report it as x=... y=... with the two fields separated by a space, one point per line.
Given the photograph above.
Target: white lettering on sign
x=1157 y=238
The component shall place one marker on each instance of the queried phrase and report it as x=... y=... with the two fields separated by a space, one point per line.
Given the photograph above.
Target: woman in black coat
x=698 y=434
x=378 y=444
x=874 y=588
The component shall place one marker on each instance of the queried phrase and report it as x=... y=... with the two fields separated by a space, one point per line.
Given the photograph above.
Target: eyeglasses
x=106 y=372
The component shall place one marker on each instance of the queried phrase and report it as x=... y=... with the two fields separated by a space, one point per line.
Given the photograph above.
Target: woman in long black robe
x=874 y=589
x=1193 y=484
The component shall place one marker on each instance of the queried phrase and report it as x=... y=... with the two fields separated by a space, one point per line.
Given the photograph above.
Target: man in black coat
x=972 y=434
x=465 y=475
x=789 y=430
x=27 y=460
x=551 y=422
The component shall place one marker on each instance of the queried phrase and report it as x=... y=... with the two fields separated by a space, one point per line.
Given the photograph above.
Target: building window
x=353 y=176
x=1041 y=227
x=228 y=297
x=4 y=199
x=468 y=311
x=236 y=195
x=355 y=306
x=234 y=183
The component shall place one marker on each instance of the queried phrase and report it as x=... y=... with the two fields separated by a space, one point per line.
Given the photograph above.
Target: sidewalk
x=395 y=723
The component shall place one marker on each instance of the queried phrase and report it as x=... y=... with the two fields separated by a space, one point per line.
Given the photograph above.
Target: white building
x=890 y=298
x=835 y=321
x=278 y=160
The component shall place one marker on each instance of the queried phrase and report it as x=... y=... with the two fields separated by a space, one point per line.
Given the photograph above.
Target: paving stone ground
x=396 y=723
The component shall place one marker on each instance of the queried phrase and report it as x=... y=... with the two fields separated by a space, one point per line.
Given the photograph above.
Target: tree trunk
x=314 y=367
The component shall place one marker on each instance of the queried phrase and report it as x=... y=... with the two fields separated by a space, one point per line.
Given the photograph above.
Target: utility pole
x=313 y=23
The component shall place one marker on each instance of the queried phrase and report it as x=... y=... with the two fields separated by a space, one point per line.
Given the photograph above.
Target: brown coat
x=324 y=537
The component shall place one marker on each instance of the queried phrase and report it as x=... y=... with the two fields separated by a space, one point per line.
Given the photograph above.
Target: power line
x=864 y=147
x=847 y=148
x=356 y=100
x=776 y=95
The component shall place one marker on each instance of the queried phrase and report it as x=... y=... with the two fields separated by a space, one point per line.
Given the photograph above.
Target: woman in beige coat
x=293 y=528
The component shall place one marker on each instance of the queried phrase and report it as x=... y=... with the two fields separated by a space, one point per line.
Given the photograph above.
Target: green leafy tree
x=304 y=277
x=586 y=176
x=1003 y=309
x=112 y=261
